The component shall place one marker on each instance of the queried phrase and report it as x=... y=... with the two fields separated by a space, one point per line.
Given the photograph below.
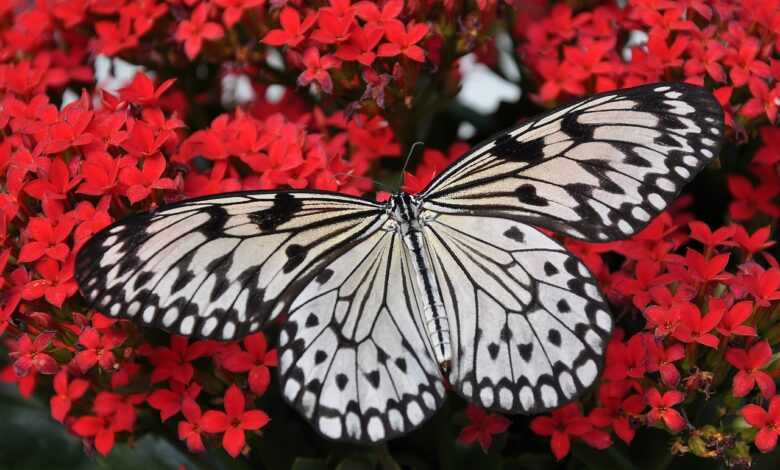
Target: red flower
x=97 y=349
x=763 y=101
x=560 y=77
x=174 y=362
x=192 y=32
x=332 y=28
x=742 y=62
x=766 y=421
x=29 y=355
x=235 y=422
x=54 y=183
x=292 y=32
x=234 y=9
x=750 y=199
x=191 y=429
x=482 y=426
x=169 y=402
x=47 y=239
x=361 y=45
x=317 y=69
x=731 y=324
x=694 y=328
x=66 y=393
x=141 y=182
x=403 y=40
x=369 y=12
x=758 y=241
x=102 y=429
x=749 y=362
x=661 y=408
x=101 y=173
x=721 y=237
x=141 y=90
x=565 y=423
x=256 y=360
x=618 y=413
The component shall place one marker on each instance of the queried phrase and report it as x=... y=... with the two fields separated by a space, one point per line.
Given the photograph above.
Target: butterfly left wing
x=599 y=169
x=354 y=358
x=219 y=266
x=528 y=325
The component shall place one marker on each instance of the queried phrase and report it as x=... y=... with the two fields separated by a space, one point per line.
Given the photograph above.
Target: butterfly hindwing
x=354 y=356
x=529 y=326
x=599 y=169
x=218 y=266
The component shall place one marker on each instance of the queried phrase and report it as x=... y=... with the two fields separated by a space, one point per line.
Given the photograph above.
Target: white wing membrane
x=599 y=169
x=218 y=266
x=354 y=357
x=529 y=326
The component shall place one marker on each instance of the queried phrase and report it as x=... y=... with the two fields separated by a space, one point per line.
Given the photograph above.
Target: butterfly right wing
x=219 y=266
x=354 y=357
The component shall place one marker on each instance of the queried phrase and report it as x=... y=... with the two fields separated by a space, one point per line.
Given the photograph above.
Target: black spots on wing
x=634 y=159
x=563 y=306
x=550 y=269
x=314 y=385
x=554 y=337
x=574 y=129
x=283 y=209
x=142 y=279
x=295 y=256
x=381 y=356
x=526 y=193
x=525 y=351
x=666 y=139
x=342 y=381
x=493 y=350
x=214 y=227
x=220 y=265
x=324 y=276
x=320 y=357
x=220 y=287
x=571 y=265
x=312 y=321
x=506 y=333
x=401 y=364
x=515 y=234
x=608 y=184
x=508 y=148
x=373 y=378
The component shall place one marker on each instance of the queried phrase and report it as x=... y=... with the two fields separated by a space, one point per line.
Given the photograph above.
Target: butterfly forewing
x=529 y=326
x=599 y=169
x=218 y=266
x=354 y=356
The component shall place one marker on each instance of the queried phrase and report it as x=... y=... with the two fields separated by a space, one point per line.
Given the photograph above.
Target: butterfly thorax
x=405 y=210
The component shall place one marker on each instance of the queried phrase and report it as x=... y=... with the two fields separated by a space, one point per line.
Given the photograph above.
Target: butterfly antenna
x=382 y=185
x=412 y=152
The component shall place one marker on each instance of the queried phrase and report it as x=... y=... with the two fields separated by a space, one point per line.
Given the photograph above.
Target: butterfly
x=385 y=302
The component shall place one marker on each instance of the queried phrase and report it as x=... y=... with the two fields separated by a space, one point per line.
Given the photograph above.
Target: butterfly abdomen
x=437 y=327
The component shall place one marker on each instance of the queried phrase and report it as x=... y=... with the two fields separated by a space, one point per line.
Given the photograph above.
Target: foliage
x=691 y=370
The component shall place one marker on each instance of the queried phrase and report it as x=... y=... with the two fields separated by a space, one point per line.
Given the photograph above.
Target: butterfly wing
x=219 y=266
x=528 y=325
x=354 y=356
x=599 y=169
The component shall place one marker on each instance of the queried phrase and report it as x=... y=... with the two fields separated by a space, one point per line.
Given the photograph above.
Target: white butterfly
x=386 y=301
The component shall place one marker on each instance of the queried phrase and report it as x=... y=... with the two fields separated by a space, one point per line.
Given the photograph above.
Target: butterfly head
x=404 y=207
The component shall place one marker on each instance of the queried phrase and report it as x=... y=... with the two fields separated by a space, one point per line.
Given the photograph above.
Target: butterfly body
x=405 y=209
x=384 y=302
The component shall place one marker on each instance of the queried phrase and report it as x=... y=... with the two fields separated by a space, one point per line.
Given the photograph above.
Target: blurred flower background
x=111 y=107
